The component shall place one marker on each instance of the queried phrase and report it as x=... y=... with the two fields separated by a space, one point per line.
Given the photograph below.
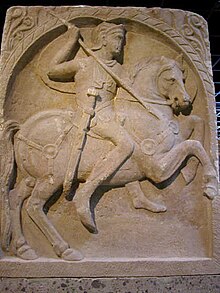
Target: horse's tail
x=7 y=171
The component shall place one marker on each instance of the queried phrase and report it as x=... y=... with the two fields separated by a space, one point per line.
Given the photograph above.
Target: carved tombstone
x=108 y=150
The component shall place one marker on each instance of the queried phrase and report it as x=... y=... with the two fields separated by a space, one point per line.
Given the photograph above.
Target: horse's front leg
x=192 y=127
x=164 y=166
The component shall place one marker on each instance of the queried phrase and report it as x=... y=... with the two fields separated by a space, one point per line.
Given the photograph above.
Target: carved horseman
x=95 y=93
x=96 y=96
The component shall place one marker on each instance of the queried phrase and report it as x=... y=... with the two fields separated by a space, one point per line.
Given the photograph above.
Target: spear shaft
x=116 y=78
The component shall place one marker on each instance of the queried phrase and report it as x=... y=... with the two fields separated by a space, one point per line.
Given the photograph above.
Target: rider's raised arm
x=63 y=66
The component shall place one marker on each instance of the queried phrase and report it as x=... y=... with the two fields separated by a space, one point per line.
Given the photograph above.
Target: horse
x=41 y=147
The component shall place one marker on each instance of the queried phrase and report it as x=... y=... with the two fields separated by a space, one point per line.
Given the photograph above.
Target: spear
x=76 y=151
x=116 y=78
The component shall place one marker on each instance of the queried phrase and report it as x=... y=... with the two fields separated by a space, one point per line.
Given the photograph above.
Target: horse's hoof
x=210 y=187
x=71 y=254
x=27 y=253
x=210 y=192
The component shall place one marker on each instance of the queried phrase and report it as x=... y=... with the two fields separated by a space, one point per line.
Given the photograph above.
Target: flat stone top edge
x=104 y=7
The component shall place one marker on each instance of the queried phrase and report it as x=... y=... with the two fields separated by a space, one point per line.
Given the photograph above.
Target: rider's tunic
x=92 y=75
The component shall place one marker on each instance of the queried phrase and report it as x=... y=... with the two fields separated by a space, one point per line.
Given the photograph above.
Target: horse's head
x=170 y=84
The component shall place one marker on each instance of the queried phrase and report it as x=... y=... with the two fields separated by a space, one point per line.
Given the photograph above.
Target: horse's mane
x=140 y=65
x=146 y=62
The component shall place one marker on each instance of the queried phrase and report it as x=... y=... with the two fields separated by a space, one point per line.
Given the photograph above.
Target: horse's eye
x=172 y=79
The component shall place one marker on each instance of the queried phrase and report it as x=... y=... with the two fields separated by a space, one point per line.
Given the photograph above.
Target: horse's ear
x=181 y=62
x=179 y=59
x=185 y=70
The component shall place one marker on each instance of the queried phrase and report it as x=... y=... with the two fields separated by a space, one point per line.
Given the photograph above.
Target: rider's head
x=109 y=36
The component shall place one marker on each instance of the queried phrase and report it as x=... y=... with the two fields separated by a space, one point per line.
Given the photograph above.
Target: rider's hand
x=73 y=31
x=92 y=91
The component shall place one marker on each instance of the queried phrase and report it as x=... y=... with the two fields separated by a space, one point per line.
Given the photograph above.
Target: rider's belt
x=149 y=146
x=89 y=111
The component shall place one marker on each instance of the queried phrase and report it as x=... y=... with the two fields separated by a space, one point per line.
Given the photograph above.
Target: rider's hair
x=102 y=30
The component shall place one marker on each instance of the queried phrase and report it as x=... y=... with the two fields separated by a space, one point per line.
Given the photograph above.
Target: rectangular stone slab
x=48 y=74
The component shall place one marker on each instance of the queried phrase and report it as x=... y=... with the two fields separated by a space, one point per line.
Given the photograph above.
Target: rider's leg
x=192 y=127
x=104 y=168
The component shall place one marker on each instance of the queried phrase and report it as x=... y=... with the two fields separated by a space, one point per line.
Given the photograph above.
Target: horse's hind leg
x=16 y=197
x=140 y=201
x=42 y=191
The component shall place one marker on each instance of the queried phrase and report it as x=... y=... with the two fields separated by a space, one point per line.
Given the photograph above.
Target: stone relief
x=193 y=28
x=20 y=23
x=132 y=121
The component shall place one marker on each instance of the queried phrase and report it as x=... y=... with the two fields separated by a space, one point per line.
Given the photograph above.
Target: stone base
x=180 y=284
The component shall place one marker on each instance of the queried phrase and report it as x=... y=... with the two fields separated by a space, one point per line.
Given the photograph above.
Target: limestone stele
x=108 y=159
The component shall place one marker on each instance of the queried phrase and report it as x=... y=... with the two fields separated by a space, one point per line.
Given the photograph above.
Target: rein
x=164 y=103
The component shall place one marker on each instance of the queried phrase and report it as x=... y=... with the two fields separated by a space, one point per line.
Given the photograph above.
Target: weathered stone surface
x=109 y=157
x=179 y=284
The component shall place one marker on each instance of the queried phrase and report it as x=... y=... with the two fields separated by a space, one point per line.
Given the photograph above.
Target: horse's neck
x=165 y=111
x=158 y=104
x=146 y=86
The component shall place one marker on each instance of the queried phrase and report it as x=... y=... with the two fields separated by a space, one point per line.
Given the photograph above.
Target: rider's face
x=115 y=43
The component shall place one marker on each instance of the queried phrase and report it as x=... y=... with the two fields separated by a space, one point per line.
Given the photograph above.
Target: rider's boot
x=82 y=204
x=101 y=172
